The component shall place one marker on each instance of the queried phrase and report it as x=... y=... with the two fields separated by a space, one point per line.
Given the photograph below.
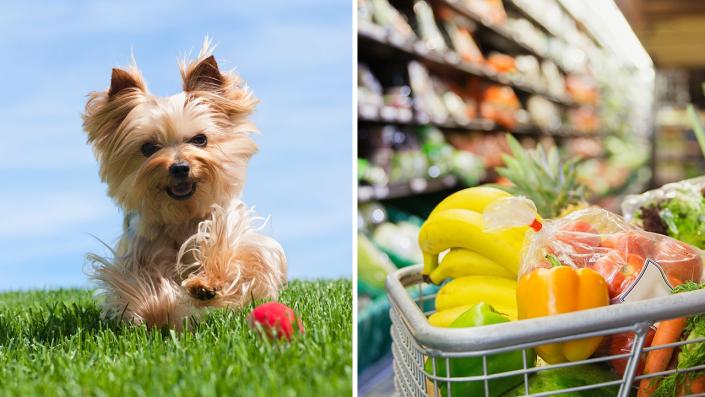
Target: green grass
x=53 y=343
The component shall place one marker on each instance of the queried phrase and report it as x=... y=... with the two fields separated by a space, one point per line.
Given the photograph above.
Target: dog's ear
x=225 y=91
x=105 y=110
x=203 y=76
x=122 y=80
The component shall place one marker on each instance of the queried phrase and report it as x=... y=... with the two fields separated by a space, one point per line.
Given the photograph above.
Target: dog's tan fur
x=178 y=256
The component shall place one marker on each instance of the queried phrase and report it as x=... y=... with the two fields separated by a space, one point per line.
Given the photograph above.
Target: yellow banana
x=476 y=199
x=444 y=318
x=473 y=198
x=461 y=262
x=430 y=263
x=469 y=290
x=456 y=228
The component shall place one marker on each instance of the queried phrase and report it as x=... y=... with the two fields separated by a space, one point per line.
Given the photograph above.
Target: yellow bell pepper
x=562 y=289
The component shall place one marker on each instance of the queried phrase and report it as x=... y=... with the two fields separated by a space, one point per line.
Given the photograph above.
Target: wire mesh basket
x=425 y=357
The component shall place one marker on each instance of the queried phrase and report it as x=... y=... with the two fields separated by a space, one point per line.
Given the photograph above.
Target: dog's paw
x=199 y=288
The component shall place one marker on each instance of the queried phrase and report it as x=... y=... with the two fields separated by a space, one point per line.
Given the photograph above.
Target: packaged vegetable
x=635 y=264
x=399 y=242
x=459 y=31
x=676 y=210
x=373 y=266
x=622 y=344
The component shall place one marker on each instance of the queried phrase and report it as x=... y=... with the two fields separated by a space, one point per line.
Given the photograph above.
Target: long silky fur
x=139 y=297
x=228 y=251
x=144 y=281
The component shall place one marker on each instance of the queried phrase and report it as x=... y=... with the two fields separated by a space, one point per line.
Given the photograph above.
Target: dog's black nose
x=179 y=170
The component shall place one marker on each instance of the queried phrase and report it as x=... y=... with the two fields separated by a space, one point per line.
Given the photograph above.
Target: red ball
x=275 y=319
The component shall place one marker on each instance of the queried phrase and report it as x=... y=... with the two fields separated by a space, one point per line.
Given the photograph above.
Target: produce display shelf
x=473 y=125
x=405 y=189
x=482 y=125
x=534 y=19
x=587 y=28
x=508 y=37
x=370 y=39
x=538 y=21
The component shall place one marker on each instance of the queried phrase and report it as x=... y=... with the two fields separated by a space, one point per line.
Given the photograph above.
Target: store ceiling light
x=607 y=23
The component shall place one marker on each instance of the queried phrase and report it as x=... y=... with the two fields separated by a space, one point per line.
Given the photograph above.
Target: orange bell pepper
x=561 y=289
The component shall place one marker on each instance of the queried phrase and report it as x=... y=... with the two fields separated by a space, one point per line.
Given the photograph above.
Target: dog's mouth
x=181 y=190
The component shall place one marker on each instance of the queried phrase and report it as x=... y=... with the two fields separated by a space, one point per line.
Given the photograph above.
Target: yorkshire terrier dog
x=176 y=166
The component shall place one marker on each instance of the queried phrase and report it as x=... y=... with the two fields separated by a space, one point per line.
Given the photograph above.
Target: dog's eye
x=199 y=140
x=149 y=148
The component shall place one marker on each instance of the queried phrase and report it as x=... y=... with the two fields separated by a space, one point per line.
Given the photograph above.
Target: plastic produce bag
x=621 y=344
x=372 y=267
x=398 y=241
x=676 y=210
x=635 y=264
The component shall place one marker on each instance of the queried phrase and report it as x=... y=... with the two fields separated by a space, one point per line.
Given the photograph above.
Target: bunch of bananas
x=483 y=265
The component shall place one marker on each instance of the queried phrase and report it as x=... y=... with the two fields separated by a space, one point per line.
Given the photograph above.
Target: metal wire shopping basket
x=414 y=341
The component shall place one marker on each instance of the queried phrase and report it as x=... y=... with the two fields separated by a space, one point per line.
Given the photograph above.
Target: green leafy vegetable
x=681 y=216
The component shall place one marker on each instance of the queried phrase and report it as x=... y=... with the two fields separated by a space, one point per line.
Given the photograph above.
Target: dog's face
x=170 y=158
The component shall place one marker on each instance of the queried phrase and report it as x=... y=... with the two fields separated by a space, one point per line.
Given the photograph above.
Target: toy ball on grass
x=275 y=319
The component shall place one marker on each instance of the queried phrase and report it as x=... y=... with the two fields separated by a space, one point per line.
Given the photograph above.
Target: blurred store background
x=441 y=83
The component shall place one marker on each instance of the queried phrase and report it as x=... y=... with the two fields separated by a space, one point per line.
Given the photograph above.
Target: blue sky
x=296 y=55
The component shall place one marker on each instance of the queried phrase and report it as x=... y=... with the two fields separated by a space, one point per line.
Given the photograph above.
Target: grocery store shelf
x=473 y=125
x=477 y=125
x=504 y=37
x=587 y=29
x=377 y=41
x=538 y=21
x=534 y=19
x=405 y=189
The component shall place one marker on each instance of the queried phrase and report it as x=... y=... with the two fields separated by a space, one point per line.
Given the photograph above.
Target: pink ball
x=275 y=319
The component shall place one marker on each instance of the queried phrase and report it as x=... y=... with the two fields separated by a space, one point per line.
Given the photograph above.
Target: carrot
x=692 y=386
x=668 y=331
x=696 y=385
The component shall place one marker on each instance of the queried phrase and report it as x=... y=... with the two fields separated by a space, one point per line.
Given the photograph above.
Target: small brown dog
x=177 y=165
